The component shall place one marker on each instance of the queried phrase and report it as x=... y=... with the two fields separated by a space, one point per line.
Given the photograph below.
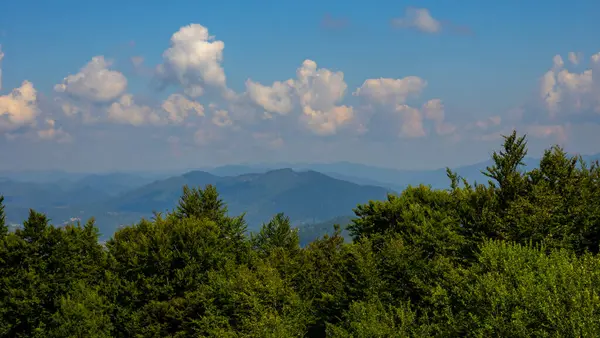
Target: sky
x=157 y=85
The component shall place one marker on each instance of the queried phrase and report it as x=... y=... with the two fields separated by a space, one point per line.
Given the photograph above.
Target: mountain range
x=314 y=196
x=116 y=199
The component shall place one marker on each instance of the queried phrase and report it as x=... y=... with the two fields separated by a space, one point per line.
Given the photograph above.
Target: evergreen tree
x=277 y=234
x=3 y=225
x=515 y=257
x=199 y=203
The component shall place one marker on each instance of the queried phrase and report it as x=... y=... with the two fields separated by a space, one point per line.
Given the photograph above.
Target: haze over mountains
x=116 y=199
x=312 y=195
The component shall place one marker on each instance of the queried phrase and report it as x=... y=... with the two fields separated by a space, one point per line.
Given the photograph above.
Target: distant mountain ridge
x=306 y=197
x=308 y=193
x=396 y=179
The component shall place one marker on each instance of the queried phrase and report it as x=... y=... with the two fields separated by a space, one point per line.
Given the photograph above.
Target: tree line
x=516 y=256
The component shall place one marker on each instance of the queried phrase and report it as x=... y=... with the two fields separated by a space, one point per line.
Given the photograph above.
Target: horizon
x=298 y=167
x=394 y=86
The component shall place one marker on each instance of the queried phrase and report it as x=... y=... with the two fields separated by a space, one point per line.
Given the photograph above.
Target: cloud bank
x=197 y=109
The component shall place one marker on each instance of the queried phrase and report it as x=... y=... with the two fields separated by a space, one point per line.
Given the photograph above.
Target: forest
x=516 y=256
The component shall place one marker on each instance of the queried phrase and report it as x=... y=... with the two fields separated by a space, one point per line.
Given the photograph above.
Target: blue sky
x=485 y=67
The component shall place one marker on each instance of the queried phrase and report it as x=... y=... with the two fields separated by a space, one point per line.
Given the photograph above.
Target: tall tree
x=3 y=226
x=199 y=203
x=34 y=227
x=277 y=233
x=505 y=170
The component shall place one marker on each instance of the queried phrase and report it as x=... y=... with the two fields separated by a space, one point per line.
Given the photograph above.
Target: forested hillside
x=514 y=257
x=306 y=197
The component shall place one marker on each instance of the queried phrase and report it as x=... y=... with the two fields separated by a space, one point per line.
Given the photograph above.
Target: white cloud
x=326 y=122
x=319 y=91
x=557 y=62
x=389 y=96
x=564 y=92
x=434 y=110
x=51 y=132
x=194 y=91
x=126 y=111
x=276 y=98
x=69 y=109
x=221 y=118
x=19 y=108
x=95 y=82
x=179 y=107
x=87 y=111
x=391 y=91
x=412 y=122
x=574 y=58
x=418 y=18
x=194 y=59
x=315 y=94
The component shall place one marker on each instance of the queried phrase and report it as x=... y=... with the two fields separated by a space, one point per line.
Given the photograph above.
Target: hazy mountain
x=113 y=184
x=239 y=169
x=159 y=195
x=303 y=196
x=40 y=176
x=42 y=195
x=306 y=195
x=396 y=179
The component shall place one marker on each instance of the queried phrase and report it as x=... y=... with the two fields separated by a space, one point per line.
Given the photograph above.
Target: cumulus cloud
x=566 y=102
x=574 y=58
x=87 y=111
x=95 y=82
x=418 y=18
x=178 y=108
x=319 y=92
x=99 y=94
x=434 y=110
x=421 y=19
x=313 y=100
x=565 y=92
x=52 y=132
x=391 y=91
x=126 y=111
x=221 y=118
x=326 y=122
x=316 y=94
x=276 y=98
x=193 y=59
x=389 y=97
x=19 y=108
x=412 y=122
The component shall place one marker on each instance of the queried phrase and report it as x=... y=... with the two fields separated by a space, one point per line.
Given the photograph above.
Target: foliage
x=3 y=225
x=515 y=256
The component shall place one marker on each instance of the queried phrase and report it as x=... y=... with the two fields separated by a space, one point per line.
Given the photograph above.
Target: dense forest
x=516 y=256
